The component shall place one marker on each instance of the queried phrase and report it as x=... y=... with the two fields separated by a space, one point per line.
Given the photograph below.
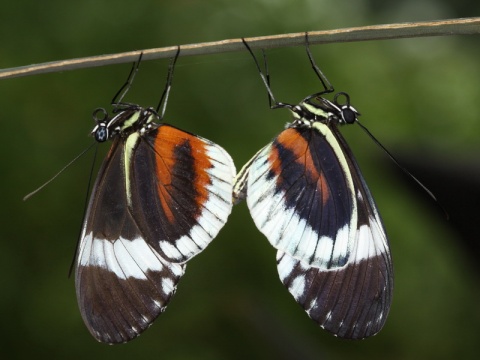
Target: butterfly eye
x=101 y=132
x=349 y=114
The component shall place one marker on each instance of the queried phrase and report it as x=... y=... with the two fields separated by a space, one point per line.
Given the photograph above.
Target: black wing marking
x=122 y=283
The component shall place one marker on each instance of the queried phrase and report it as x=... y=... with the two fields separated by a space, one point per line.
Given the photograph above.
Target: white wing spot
x=297 y=288
x=125 y=258
x=167 y=286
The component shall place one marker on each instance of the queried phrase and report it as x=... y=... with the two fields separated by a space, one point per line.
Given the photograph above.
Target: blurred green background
x=418 y=96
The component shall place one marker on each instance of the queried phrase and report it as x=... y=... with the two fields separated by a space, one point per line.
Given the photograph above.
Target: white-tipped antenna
x=28 y=196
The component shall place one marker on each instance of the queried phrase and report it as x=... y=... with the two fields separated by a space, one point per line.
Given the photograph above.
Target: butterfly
x=307 y=195
x=161 y=195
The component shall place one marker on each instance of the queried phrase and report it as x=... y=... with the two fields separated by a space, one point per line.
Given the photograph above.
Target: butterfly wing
x=307 y=195
x=183 y=191
x=159 y=199
x=301 y=198
x=122 y=282
x=352 y=301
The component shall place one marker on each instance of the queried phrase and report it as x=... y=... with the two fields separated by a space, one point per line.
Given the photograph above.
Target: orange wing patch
x=291 y=140
x=167 y=142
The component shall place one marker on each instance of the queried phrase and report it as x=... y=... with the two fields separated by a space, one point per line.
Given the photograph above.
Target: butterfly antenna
x=166 y=92
x=427 y=190
x=28 y=196
x=118 y=98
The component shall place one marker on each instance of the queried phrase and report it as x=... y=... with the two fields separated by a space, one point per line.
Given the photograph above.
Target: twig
x=467 y=26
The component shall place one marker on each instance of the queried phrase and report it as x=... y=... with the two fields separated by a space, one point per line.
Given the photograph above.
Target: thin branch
x=467 y=26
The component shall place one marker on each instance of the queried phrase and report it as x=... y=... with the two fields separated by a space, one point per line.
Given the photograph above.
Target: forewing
x=122 y=282
x=300 y=196
x=184 y=202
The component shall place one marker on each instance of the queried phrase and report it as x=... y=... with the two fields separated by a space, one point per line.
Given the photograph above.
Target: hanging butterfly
x=306 y=194
x=161 y=195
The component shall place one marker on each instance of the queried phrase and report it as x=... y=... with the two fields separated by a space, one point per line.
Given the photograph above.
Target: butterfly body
x=306 y=194
x=161 y=195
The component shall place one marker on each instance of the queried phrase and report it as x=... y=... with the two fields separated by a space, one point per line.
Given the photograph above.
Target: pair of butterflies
x=163 y=194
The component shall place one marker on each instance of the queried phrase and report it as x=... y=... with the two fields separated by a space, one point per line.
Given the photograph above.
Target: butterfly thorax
x=319 y=109
x=128 y=119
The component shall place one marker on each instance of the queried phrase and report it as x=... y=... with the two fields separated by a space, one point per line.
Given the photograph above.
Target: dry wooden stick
x=466 y=26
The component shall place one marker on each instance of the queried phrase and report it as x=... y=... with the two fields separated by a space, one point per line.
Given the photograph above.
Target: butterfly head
x=101 y=131
x=347 y=114
x=132 y=118
x=316 y=108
